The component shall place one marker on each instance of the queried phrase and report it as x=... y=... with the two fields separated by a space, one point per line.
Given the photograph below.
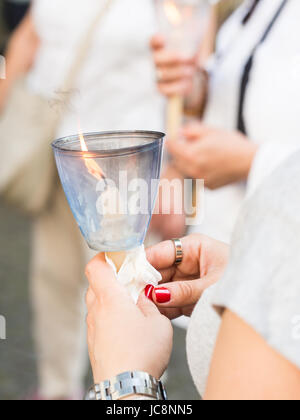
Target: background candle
x=182 y=23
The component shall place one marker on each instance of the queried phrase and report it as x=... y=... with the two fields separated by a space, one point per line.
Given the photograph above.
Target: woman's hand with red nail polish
x=162 y=295
x=148 y=291
x=204 y=262
x=123 y=336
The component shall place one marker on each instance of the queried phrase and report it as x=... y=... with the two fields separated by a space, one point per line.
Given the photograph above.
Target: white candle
x=174 y=115
x=117 y=258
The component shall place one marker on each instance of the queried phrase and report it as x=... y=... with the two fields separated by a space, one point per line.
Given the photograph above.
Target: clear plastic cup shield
x=111 y=182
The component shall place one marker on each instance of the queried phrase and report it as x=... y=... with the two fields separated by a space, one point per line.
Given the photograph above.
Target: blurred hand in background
x=175 y=73
x=219 y=157
x=172 y=223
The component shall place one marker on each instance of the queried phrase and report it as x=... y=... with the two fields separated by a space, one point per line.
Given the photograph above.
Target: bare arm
x=19 y=56
x=244 y=367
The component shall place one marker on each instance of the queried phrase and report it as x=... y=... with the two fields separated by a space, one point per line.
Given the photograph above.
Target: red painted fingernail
x=148 y=291
x=162 y=295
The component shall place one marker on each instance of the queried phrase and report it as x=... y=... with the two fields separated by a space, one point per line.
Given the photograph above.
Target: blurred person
x=252 y=99
x=115 y=90
x=256 y=351
x=14 y=11
x=173 y=223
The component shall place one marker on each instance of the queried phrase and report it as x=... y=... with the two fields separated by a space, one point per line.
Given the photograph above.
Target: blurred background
x=18 y=361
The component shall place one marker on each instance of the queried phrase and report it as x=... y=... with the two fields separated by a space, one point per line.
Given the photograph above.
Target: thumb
x=103 y=281
x=179 y=294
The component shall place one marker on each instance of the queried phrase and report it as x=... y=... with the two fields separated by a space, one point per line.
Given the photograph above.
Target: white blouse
x=272 y=105
x=116 y=87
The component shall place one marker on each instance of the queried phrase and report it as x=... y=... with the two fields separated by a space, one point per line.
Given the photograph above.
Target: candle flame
x=91 y=165
x=83 y=143
x=172 y=12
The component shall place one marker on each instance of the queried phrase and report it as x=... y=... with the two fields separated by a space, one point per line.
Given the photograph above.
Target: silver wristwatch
x=126 y=385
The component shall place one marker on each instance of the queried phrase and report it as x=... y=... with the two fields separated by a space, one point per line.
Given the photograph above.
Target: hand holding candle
x=181 y=23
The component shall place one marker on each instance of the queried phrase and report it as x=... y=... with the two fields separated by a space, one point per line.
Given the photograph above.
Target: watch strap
x=128 y=384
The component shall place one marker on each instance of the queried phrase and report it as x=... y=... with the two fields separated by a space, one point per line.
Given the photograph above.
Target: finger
x=175 y=274
x=157 y=42
x=167 y=274
x=194 y=131
x=164 y=58
x=162 y=256
x=174 y=313
x=189 y=170
x=171 y=313
x=177 y=73
x=181 y=87
x=147 y=307
x=178 y=294
x=104 y=283
x=181 y=150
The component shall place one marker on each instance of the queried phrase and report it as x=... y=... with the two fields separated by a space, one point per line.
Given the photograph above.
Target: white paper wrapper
x=136 y=272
